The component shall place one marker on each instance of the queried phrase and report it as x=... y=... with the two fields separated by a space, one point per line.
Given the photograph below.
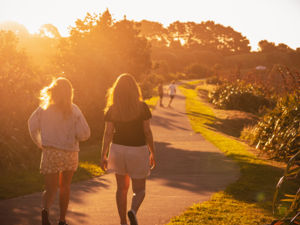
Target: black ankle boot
x=45 y=218
x=62 y=223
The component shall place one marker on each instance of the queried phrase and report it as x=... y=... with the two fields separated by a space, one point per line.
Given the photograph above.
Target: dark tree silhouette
x=98 y=50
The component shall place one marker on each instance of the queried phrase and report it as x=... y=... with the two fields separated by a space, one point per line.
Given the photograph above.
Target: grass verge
x=22 y=182
x=246 y=201
x=152 y=102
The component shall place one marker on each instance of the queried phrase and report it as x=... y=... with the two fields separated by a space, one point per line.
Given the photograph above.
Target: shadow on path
x=167 y=124
x=193 y=171
x=27 y=209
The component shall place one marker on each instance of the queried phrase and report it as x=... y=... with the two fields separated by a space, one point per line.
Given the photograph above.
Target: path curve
x=190 y=170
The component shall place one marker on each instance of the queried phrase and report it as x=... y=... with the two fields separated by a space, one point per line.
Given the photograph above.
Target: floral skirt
x=56 y=160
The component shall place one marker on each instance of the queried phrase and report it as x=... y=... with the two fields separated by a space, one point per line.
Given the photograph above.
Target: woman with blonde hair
x=56 y=127
x=132 y=153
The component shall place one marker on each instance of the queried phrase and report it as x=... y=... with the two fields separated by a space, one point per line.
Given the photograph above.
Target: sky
x=272 y=20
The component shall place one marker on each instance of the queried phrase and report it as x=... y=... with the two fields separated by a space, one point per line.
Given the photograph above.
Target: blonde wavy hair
x=60 y=94
x=124 y=99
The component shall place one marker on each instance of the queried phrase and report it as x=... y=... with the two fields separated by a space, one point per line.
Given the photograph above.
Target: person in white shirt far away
x=172 y=92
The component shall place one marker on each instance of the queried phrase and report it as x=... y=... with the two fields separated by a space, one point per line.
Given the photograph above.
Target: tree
x=284 y=48
x=18 y=87
x=97 y=51
x=17 y=28
x=154 y=32
x=210 y=36
x=266 y=46
x=49 y=30
x=177 y=31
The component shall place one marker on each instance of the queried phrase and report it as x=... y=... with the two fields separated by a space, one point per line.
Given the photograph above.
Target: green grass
x=22 y=182
x=151 y=102
x=246 y=201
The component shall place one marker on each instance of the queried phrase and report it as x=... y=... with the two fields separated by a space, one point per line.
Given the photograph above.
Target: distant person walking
x=132 y=153
x=56 y=127
x=161 y=93
x=172 y=92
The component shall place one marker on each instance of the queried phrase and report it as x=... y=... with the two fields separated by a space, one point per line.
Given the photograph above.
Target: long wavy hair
x=60 y=94
x=124 y=99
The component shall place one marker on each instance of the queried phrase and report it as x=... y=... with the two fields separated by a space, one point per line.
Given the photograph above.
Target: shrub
x=285 y=204
x=148 y=84
x=214 y=80
x=196 y=70
x=278 y=131
x=247 y=134
x=240 y=96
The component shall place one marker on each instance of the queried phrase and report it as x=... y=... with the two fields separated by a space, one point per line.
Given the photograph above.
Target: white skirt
x=131 y=160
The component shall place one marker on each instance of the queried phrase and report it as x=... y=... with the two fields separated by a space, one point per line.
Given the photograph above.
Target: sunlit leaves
x=287 y=205
x=278 y=132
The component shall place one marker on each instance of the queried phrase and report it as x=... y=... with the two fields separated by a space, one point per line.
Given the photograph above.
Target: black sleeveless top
x=130 y=133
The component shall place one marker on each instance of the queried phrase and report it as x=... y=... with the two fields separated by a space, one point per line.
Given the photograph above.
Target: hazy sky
x=274 y=20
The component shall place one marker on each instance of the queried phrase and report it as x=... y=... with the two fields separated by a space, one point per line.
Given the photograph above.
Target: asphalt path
x=189 y=170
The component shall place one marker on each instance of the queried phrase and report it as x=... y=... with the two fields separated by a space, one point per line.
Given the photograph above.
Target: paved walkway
x=189 y=170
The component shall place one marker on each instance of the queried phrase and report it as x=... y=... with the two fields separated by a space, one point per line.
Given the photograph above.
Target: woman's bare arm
x=107 y=139
x=150 y=143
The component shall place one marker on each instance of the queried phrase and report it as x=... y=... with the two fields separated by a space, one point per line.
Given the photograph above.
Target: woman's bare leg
x=138 y=188
x=65 y=180
x=51 y=184
x=123 y=182
x=170 y=101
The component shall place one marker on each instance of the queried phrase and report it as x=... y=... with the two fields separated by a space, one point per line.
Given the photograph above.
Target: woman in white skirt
x=128 y=140
x=56 y=127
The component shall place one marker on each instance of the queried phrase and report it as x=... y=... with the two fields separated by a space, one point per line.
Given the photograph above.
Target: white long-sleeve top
x=50 y=128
